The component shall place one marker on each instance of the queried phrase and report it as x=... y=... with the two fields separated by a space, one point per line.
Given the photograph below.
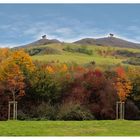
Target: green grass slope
x=102 y=55
x=70 y=128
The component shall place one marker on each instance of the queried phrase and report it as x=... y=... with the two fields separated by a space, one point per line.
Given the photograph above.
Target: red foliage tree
x=96 y=92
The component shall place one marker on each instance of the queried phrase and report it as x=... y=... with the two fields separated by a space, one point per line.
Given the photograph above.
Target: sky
x=25 y=23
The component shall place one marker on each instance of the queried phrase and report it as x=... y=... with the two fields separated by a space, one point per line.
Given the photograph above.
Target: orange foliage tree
x=15 y=69
x=122 y=84
x=12 y=79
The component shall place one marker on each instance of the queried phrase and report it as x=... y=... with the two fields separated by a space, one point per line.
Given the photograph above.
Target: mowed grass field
x=70 y=128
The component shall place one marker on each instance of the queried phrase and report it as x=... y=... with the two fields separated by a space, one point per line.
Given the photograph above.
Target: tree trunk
x=14 y=98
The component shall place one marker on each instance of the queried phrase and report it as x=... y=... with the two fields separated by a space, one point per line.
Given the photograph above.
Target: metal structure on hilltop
x=44 y=37
x=111 y=35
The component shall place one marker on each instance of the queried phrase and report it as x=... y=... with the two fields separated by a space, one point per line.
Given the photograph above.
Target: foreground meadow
x=70 y=128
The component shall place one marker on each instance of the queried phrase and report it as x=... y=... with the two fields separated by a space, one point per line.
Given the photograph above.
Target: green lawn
x=70 y=128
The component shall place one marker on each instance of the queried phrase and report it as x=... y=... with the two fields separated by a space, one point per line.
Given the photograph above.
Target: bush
x=42 y=50
x=47 y=111
x=96 y=92
x=3 y=107
x=44 y=112
x=22 y=116
x=82 y=49
x=132 y=61
x=72 y=111
x=131 y=111
x=45 y=86
x=126 y=53
x=34 y=51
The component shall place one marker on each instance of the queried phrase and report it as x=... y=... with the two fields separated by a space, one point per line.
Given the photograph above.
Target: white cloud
x=9 y=45
x=64 y=31
x=59 y=28
x=133 y=28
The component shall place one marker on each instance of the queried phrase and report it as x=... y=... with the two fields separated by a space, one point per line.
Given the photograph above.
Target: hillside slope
x=63 y=52
x=108 y=41
x=41 y=42
x=103 y=51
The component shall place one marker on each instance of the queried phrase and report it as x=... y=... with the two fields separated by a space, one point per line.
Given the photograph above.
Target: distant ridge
x=108 y=41
x=43 y=41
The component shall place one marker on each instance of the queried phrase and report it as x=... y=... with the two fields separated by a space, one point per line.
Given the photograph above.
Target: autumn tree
x=12 y=79
x=123 y=87
x=23 y=60
x=45 y=84
x=122 y=84
x=93 y=90
x=134 y=75
x=16 y=70
x=4 y=53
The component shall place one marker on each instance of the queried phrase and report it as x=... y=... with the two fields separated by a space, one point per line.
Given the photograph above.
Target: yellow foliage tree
x=50 y=69
x=4 y=53
x=64 y=68
x=21 y=58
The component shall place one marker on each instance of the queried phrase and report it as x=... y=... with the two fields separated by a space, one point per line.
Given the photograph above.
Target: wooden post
x=117 y=110
x=16 y=112
x=13 y=111
x=9 y=111
x=120 y=110
x=14 y=104
x=123 y=110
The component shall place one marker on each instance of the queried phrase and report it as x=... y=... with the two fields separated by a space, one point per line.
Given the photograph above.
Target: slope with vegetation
x=73 y=53
x=108 y=41
x=107 y=50
x=67 y=81
x=65 y=91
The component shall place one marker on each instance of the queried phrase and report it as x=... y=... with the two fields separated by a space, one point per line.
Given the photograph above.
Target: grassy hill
x=101 y=51
x=82 y=54
x=108 y=41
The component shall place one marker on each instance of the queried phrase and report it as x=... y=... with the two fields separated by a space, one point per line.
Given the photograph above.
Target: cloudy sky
x=24 y=23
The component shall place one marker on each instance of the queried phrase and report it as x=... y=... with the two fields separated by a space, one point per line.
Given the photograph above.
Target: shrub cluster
x=83 y=50
x=133 y=61
x=42 y=50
